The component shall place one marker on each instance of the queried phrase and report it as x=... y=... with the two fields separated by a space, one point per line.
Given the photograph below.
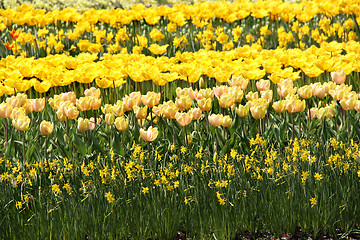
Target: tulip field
x=172 y=120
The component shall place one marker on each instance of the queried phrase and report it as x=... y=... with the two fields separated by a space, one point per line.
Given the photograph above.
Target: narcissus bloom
x=149 y=135
x=46 y=127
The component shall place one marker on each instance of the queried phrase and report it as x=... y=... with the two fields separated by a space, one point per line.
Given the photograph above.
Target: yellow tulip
x=46 y=127
x=121 y=123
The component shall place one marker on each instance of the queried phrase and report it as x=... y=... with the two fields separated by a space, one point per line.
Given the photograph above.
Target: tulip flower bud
x=204 y=104
x=21 y=123
x=183 y=102
x=149 y=135
x=305 y=92
x=38 y=104
x=46 y=127
x=215 y=119
x=5 y=110
x=220 y=90
x=151 y=99
x=202 y=83
x=258 y=112
x=238 y=81
x=226 y=100
x=243 y=110
x=267 y=94
x=140 y=112
x=110 y=118
x=279 y=106
x=252 y=96
x=227 y=121
x=196 y=113
x=263 y=85
x=338 y=77
x=93 y=92
x=183 y=118
x=313 y=112
x=83 y=124
x=121 y=123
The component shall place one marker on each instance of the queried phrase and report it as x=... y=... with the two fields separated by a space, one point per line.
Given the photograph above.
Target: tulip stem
x=186 y=141
x=6 y=130
x=151 y=118
x=46 y=159
x=172 y=125
x=23 y=147
x=292 y=120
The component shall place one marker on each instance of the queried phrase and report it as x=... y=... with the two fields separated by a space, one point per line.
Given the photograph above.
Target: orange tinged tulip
x=226 y=100
x=92 y=92
x=263 y=85
x=149 y=135
x=204 y=93
x=151 y=99
x=220 y=90
x=267 y=94
x=196 y=113
x=46 y=127
x=5 y=110
x=238 y=81
x=37 y=104
x=183 y=119
x=216 y=120
x=338 y=77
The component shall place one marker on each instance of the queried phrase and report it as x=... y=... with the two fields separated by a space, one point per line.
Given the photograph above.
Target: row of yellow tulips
x=20 y=74
x=180 y=14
